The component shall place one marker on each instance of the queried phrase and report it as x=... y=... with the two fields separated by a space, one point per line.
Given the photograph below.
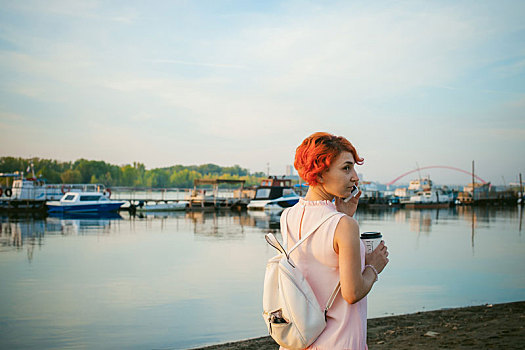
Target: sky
x=409 y=83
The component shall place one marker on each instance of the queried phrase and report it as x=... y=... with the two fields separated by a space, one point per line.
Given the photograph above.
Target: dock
x=198 y=198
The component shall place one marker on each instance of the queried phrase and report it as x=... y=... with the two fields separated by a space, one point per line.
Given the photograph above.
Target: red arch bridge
x=436 y=167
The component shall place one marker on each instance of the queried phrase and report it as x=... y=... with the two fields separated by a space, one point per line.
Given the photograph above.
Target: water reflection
x=19 y=231
x=264 y=220
x=422 y=221
x=217 y=225
x=376 y=214
x=521 y=217
x=136 y=275
x=20 y=235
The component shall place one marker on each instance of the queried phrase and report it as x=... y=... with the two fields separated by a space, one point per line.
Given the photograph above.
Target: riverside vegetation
x=129 y=175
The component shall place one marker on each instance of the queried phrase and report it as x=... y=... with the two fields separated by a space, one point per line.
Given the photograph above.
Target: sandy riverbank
x=498 y=326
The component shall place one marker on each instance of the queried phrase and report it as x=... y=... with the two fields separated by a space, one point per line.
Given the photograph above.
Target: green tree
x=71 y=177
x=50 y=175
x=184 y=178
x=88 y=168
x=129 y=175
x=91 y=171
x=107 y=179
x=157 y=178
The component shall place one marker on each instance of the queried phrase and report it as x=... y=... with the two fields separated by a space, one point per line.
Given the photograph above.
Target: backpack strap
x=332 y=298
x=323 y=220
x=274 y=242
x=270 y=238
x=284 y=228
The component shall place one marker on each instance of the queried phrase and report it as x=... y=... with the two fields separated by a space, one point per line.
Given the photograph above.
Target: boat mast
x=473 y=182
x=33 y=169
x=521 y=187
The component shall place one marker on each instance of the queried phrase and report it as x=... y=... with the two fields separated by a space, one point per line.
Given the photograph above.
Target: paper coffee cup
x=371 y=240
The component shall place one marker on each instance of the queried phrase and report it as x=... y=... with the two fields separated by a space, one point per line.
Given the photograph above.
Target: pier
x=198 y=199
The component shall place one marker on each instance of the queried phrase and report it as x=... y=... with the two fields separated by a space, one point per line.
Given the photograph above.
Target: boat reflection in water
x=232 y=225
x=86 y=216
x=266 y=219
x=19 y=232
x=83 y=223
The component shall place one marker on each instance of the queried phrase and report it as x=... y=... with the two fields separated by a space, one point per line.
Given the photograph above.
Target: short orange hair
x=315 y=154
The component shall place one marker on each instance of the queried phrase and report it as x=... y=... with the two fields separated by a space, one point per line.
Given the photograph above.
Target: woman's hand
x=350 y=207
x=378 y=258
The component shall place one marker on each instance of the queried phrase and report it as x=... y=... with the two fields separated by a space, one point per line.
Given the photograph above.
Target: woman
x=334 y=252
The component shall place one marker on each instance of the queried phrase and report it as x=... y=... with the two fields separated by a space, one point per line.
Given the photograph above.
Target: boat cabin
x=272 y=188
x=83 y=197
x=274 y=181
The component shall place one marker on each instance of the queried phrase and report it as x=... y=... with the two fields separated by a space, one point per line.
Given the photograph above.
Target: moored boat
x=421 y=194
x=170 y=206
x=428 y=199
x=274 y=195
x=32 y=193
x=84 y=202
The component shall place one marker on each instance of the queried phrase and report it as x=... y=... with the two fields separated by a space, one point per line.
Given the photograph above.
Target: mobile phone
x=355 y=191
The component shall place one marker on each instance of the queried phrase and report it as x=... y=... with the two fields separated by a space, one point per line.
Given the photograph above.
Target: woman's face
x=339 y=178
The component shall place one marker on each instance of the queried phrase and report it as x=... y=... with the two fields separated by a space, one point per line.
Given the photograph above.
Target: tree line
x=129 y=175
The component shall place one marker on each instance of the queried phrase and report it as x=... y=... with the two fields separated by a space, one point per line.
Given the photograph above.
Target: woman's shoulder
x=346 y=229
x=347 y=223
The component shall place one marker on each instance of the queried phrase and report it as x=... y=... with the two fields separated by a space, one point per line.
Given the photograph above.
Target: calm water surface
x=182 y=280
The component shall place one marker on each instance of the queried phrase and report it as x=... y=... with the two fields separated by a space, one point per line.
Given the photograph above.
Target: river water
x=182 y=280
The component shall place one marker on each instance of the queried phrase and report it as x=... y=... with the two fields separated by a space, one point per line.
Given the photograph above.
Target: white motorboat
x=274 y=195
x=169 y=206
x=84 y=202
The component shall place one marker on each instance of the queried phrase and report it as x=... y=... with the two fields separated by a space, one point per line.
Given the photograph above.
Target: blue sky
x=240 y=82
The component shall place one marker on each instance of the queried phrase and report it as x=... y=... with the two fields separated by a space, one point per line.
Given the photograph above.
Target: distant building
x=289 y=170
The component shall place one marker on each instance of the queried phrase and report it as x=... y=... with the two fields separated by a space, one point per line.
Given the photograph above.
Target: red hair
x=315 y=154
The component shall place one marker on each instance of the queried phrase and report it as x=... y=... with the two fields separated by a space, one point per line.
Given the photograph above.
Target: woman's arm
x=354 y=284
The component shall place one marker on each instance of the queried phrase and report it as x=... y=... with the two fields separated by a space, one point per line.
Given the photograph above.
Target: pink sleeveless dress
x=346 y=323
